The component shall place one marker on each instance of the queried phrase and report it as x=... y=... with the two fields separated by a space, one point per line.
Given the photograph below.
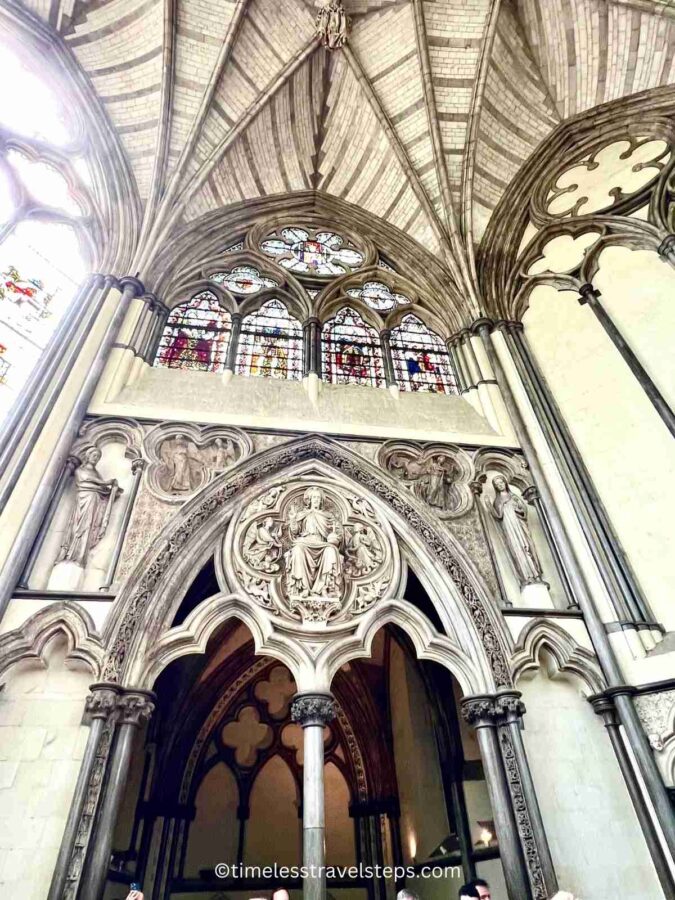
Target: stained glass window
x=351 y=351
x=196 y=336
x=270 y=343
x=383 y=264
x=378 y=296
x=323 y=253
x=421 y=360
x=243 y=280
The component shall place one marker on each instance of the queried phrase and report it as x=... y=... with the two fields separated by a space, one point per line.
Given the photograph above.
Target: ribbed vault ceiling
x=422 y=119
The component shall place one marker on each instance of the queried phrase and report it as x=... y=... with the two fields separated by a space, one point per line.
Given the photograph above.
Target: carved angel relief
x=184 y=458
x=312 y=553
x=438 y=474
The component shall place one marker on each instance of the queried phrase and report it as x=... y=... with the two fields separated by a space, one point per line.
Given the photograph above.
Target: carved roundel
x=312 y=553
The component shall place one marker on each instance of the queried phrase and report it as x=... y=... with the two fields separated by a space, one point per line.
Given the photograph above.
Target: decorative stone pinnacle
x=313 y=709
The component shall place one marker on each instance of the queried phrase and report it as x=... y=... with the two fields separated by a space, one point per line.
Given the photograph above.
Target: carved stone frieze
x=657 y=714
x=313 y=709
x=185 y=457
x=311 y=552
x=438 y=474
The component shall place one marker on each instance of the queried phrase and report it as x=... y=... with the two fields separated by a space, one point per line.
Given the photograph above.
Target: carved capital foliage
x=313 y=709
x=493 y=709
x=441 y=475
x=135 y=707
x=102 y=701
x=184 y=458
x=480 y=710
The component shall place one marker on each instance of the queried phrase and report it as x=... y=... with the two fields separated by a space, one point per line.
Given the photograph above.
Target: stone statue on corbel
x=505 y=508
x=96 y=494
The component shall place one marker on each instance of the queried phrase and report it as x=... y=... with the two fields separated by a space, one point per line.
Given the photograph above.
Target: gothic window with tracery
x=378 y=295
x=352 y=353
x=421 y=360
x=270 y=343
x=313 y=252
x=243 y=280
x=46 y=217
x=196 y=336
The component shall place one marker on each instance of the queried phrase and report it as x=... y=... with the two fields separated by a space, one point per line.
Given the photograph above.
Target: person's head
x=499 y=483
x=92 y=455
x=406 y=895
x=476 y=888
x=280 y=894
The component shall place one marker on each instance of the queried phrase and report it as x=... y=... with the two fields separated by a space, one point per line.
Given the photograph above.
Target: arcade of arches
x=336 y=448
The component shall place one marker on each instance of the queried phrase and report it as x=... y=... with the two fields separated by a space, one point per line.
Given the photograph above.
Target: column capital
x=588 y=293
x=481 y=324
x=136 y=286
x=509 y=704
x=102 y=701
x=313 y=709
x=490 y=710
x=477 y=485
x=603 y=706
x=531 y=493
x=135 y=705
x=480 y=710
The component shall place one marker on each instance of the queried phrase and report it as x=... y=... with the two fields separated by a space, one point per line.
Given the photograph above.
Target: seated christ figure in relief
x=314 y=561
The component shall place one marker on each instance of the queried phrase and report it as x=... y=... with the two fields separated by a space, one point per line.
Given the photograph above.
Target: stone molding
x=313 y=709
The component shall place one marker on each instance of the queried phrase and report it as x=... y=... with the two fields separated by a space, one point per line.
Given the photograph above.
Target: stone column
x=137 y=467
x=623 y=587
x=99 y=706
x=231 y=359
x=481 y=713
x=592 y=297
x=133 y=708
x=644 y=759
x=526 y=806
x=604 y=707
x=313 y=712
x=71 y=464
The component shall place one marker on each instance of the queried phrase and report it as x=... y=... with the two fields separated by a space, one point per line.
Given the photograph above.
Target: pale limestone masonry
x=41 y=745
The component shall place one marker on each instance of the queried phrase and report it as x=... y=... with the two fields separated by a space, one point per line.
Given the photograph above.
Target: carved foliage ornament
x=438 y=474
x=184 y=458
x=311 y=553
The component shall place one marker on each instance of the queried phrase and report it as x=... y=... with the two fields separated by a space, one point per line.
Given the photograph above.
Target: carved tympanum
x=438 y=474
x=184 y=458
x=312 y=552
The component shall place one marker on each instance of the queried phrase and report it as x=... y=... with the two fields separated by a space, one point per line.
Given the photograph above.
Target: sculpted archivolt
x=312 y=552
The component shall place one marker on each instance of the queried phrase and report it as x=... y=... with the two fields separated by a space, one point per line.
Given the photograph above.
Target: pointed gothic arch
x=147 y=603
